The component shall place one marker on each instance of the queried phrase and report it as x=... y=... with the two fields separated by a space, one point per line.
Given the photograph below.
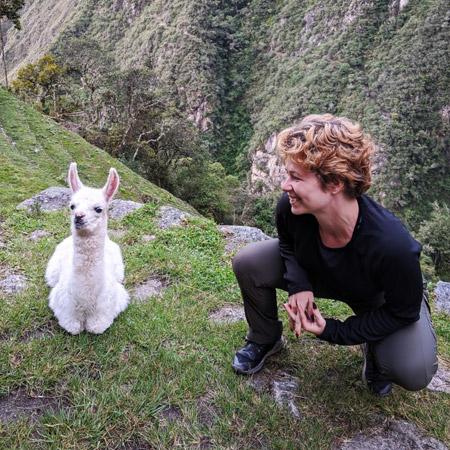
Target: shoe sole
x=276 y=348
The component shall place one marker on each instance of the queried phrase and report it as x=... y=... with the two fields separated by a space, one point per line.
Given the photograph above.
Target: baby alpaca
x=86 y=270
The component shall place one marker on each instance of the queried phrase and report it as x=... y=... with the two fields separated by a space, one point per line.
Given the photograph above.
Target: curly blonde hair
x=334 y=148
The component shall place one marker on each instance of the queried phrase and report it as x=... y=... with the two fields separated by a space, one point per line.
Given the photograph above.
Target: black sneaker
x=250 y=358
x=375 y=382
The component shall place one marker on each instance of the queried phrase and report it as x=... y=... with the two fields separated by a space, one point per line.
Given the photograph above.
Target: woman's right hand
x=301 y=301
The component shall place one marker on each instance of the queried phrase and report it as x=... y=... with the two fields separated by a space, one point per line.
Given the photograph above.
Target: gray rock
x=37 y=235
x=228 y=314
x=238 y=236
x=51 y=199
x=441 y=380
x=282 y=386
x=170 y=217
x=56 y=198
x=12 y=283
x=153 y=287
x=394 y=435
x=442 y=292
x=120 y=208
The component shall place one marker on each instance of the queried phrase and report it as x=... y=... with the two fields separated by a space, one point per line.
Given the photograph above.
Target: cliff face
x=245 y=69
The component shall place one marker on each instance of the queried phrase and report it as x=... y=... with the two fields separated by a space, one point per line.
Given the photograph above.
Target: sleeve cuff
x=330 y=330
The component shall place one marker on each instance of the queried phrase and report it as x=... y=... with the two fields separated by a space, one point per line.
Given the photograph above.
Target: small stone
x=171 y=217
x=228 y=314
x=37 y=235
x=153 y=287
x=120 y=208
x=441 y=380
x=116 y=234
x=13 y=283
x=394 y=435
x=148 y=237
x=238 y=236
x=442 y=292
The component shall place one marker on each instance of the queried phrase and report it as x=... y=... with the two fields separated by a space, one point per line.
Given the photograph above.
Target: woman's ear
x=336 y=187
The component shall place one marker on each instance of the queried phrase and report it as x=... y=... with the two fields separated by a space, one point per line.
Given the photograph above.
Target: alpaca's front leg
x=63 y=307
x=97 y=323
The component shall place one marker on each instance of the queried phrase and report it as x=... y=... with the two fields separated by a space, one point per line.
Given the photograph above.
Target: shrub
x=435 y=237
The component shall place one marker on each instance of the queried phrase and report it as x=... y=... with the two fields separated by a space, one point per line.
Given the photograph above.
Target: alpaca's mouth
x=80 y=225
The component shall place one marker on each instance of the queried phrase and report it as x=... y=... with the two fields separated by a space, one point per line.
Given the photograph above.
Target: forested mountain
x=241 y=70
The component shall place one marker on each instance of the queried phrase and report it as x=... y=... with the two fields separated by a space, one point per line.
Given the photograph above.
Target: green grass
x=163 y=353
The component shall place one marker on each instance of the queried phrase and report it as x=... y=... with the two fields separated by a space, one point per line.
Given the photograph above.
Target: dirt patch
x=46 y=330
x=19 y=404
x=135 y=444
x=152 y=287
x=171 y=414
x=228 y=314
x=206 y=410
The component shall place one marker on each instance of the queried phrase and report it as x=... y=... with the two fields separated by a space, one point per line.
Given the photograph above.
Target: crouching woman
x=336 y=242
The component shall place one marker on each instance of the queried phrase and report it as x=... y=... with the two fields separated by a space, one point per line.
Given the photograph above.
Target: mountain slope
x=35 y=153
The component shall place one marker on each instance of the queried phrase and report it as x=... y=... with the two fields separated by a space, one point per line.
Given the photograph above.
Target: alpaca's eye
x=72 y=206
x=98 y=209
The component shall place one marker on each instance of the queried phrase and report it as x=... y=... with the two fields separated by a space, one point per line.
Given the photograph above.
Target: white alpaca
x=86 y=271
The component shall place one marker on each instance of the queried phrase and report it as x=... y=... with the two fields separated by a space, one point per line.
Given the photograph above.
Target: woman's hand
x=314 y=323
x=301 y=301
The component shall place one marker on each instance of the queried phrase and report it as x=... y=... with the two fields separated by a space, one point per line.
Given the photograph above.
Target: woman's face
x=305 y=191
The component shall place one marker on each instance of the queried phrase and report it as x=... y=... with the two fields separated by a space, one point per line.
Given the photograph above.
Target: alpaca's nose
x=79 y=216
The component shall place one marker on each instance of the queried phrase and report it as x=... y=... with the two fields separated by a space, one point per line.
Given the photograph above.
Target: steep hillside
x=245 y=69
x=160 y=377
x=35 y=153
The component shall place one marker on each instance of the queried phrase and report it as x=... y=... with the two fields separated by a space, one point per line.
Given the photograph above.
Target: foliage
x=40 y=82
x=206 y=186
x=434 y=234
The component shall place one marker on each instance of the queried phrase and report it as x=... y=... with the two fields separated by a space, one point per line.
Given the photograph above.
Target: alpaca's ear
x=111 y=185
x=74 y=181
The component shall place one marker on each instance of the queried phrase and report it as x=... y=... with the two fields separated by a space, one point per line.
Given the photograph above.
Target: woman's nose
x=285 y=185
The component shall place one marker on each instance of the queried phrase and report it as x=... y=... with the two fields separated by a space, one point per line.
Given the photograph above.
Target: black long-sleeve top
x=381 y=259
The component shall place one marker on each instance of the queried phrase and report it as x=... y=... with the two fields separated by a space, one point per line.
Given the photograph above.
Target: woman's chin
x=297 y=209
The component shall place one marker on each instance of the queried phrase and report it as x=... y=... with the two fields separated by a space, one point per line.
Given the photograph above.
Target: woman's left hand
x=315 y=324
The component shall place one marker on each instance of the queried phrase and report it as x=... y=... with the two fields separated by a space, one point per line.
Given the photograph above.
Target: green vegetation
x=435 y=235
x=160 y=377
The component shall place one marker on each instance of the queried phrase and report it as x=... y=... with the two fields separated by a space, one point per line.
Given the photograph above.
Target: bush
x=435 y=237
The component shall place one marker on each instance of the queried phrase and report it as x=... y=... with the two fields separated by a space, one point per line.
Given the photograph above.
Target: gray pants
x=406 y=357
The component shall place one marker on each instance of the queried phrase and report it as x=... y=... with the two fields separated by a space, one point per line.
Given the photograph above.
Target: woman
x=335 y=242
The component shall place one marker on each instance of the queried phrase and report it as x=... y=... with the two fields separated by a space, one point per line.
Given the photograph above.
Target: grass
x=162 y=358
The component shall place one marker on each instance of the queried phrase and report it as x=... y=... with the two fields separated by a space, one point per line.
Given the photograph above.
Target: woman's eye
x=98 y=209
x=72 y=207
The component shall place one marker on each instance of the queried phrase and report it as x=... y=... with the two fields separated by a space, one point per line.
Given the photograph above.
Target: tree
x=40 y=82
x=9 y=10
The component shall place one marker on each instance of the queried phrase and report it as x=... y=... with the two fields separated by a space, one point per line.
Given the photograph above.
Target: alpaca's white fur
x=86 y=270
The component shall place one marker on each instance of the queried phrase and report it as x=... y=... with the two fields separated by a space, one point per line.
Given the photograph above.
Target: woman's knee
x=254 y=258
x=414 y=375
